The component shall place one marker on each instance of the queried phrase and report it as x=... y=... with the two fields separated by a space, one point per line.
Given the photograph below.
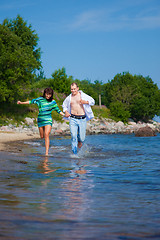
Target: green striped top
x=45 y=109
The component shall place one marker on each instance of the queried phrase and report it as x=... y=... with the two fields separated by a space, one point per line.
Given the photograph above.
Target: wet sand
x=9 y=140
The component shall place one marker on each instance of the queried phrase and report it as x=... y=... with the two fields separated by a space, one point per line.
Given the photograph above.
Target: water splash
x=84 y=151
x=32 y=143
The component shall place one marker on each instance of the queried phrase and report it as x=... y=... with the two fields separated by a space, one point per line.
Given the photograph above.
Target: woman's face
x=48 y=95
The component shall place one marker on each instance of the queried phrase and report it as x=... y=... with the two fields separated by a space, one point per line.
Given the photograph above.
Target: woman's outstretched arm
x=19 y=102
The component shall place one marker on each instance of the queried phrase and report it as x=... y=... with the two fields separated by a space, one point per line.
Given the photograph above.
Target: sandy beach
x=8 y=140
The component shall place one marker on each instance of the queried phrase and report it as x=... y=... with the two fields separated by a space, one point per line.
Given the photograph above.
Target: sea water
x=109 y=190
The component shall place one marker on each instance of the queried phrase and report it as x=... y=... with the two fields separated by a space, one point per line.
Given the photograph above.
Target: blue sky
x=93 y=39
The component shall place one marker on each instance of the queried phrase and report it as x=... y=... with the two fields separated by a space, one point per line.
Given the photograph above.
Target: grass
x=15 y=114
x=102 y=112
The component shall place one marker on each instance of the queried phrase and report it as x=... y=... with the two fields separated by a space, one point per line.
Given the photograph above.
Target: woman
x=46 y=105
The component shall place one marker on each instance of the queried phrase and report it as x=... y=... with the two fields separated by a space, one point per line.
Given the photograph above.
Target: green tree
x=19 y=58
x=60 y=82
x=28 y=36
x=139 y=96
x=119 y=112
x=146 y=103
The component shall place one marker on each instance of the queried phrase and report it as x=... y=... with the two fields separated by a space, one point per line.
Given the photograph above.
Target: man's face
x=74 y=90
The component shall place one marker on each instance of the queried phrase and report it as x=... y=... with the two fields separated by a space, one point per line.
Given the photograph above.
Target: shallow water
x=109 y=190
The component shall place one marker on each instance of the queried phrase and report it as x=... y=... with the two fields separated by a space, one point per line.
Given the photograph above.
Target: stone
x=29 y=121
x=57 y=132
x=119 y=124
x=151 y=126
x=145 y=132
x=132 y=123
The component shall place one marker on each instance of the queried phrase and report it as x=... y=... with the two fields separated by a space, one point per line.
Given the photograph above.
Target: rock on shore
x=94 y=126
x=145 y=132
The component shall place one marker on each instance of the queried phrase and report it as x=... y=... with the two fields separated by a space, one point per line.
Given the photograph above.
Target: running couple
x=76 y=107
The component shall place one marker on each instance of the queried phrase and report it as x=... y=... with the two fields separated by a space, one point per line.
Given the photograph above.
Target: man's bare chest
x=75 y=100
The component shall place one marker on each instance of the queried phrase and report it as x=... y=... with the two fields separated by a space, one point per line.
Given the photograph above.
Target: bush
x=117 y=110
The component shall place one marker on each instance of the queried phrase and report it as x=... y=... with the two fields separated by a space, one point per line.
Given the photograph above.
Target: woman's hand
x=18 y=102
x=67 y=114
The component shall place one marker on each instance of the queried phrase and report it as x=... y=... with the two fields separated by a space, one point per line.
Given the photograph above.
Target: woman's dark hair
x=48 y=91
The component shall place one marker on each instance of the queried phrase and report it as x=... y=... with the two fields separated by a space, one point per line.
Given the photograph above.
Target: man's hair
x=74 y=83
x=48 y=91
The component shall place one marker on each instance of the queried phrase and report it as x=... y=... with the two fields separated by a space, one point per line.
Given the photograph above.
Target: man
x=77 y=106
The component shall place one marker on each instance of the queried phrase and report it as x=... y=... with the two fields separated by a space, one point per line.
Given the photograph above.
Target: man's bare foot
x=79 y=144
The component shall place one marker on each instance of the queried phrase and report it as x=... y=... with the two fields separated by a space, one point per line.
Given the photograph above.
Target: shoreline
x=10 y=135
x=9 y=138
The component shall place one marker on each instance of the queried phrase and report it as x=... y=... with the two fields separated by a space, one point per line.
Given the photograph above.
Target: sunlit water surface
x=110 y=190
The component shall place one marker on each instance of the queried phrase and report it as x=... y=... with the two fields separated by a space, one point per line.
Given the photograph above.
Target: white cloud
x=88 y=20
x=115 y=18
x=16 y=5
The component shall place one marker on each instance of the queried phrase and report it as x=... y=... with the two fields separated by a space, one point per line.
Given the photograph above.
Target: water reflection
x=44 y=166
x=76 y=193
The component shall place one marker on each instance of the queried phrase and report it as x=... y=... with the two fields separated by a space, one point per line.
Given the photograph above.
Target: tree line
x=21 y=74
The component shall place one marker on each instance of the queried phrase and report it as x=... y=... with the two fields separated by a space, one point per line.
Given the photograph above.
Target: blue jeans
x=78 y=132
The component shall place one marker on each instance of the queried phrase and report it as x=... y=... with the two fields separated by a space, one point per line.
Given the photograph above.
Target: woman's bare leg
x=41 y=132
x=44 y=133
x=46 y=136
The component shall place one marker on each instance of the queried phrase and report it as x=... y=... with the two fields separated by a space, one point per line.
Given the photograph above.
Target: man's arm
x=84 y=102
x=88 y=99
